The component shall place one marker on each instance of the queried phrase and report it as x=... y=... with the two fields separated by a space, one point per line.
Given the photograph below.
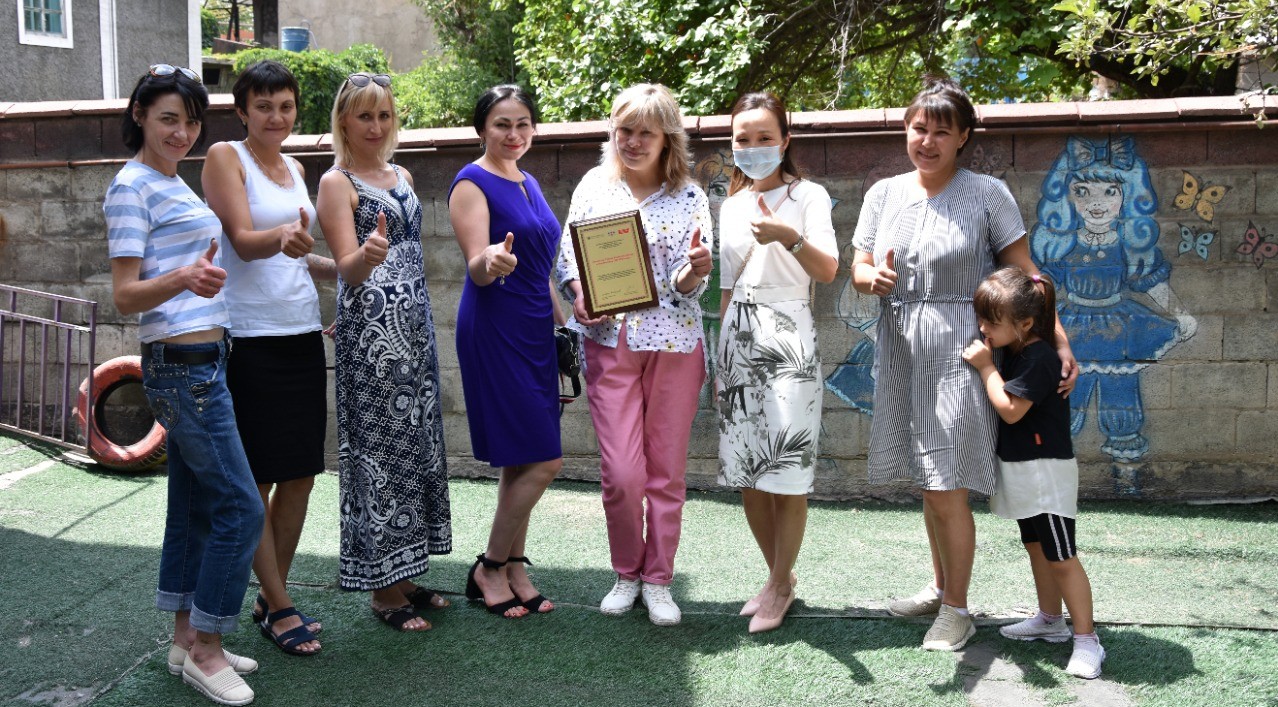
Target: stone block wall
x=1187 y=415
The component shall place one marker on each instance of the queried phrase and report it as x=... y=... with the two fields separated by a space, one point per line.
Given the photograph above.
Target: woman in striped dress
x=924 y=241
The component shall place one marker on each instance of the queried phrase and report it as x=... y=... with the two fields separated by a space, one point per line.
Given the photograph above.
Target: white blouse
x=806 y=210
x=668 y=222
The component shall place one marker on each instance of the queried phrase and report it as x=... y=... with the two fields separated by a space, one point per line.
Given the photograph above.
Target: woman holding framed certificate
x=776 y=238
x=505 y=340
x=645 y=366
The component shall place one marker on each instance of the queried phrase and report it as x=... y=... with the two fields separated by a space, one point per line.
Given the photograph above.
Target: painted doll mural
x=713 y=173
x=1097 y=238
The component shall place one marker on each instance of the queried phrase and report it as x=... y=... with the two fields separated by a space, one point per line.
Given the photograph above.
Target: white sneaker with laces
x=1035 y=628
x=924 y=603
x=622 y=597
x=1085 y=661
x=950 y=631
x=662 y=610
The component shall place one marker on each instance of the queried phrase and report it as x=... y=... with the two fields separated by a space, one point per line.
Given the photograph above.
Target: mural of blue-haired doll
x=1097 y=238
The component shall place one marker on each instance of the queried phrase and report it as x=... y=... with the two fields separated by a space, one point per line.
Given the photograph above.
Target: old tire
x=139 y=456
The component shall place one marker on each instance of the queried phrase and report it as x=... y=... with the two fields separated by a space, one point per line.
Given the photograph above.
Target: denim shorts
x=215 y=515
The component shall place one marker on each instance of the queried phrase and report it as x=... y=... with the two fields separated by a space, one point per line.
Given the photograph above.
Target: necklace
x=261 y=166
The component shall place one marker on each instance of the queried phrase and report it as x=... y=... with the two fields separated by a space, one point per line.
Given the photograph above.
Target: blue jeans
x=215 y=514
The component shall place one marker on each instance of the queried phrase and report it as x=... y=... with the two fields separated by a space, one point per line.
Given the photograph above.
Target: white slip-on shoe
x=662 y=610
x=242 y=664
x=1036 y=629
x=950 y=631
x=1085 y=661
x=224 y=687
x=622 y=597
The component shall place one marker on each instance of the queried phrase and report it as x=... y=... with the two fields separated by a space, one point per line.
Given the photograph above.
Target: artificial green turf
x=79 y=549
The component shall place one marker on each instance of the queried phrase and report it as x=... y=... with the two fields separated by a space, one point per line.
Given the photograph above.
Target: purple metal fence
x=28 y=320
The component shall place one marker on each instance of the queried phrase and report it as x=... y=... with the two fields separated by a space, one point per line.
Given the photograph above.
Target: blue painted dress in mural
x=390 y=433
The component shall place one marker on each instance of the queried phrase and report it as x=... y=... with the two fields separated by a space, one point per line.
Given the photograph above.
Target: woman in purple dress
x=505 y=340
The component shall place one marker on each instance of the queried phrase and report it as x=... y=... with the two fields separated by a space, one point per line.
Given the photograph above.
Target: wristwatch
x=798 y=245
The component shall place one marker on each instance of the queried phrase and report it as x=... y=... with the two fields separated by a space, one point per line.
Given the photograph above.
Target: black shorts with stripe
x=1055 y=533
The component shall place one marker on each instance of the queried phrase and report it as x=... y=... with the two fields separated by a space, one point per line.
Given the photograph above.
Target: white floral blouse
x=668 y=221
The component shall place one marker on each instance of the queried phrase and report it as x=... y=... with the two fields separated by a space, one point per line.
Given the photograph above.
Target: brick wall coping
x=1000 y=116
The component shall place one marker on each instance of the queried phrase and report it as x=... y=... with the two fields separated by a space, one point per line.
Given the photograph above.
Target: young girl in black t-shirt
x=1038 y=476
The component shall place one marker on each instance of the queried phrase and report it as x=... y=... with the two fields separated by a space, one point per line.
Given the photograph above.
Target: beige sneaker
x=949 y=632
x=925 y=603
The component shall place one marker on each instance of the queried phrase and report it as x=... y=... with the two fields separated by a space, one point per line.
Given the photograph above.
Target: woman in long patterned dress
x=505 y=340
x=775 y=238
x=394 y=482
x=924 y=241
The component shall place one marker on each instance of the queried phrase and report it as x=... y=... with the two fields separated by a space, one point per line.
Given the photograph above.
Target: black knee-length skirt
x=279 y=385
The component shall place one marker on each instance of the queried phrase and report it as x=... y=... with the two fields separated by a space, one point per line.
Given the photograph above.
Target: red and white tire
x=139 y=456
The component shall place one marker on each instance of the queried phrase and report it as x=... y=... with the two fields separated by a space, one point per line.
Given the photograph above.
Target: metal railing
x=44 y=335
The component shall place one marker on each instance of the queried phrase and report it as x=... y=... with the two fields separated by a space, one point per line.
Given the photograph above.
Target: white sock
x=960 y=610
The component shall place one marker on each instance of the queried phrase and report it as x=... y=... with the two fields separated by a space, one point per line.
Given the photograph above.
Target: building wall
x=398 y=27
x=34 y=73
x=1193 y=416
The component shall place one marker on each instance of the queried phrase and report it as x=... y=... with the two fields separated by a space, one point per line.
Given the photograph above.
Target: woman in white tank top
x=276 y=371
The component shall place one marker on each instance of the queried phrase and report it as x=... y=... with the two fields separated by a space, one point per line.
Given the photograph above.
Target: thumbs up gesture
x=203 y=277
x=885 y=276
x=767 y=228
x=499 y=261
x=376 y=246
x=295 y=239
x=699 y=255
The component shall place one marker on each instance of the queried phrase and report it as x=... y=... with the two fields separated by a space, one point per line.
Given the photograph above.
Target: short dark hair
x=944 y=101
x=496 y=95
x=264 y=78
x=148 y=90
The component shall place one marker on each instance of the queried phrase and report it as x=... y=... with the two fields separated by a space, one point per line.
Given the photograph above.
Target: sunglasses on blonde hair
x=360 y=79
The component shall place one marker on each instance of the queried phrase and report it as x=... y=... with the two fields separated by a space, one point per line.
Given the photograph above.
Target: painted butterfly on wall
x=1257 y=246
x=1202 y=201
x=1196 y=242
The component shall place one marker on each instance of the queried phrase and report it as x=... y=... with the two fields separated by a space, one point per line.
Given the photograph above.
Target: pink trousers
x=642 y=404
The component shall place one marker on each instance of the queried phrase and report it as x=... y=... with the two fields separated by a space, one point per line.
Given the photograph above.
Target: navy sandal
x=260 y=616
x=474 y=593
x=423 y=598
x=397 y=616
x=533 y=605
x=290 y=639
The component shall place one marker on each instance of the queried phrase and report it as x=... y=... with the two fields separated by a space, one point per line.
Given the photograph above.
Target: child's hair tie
x=1036 y=278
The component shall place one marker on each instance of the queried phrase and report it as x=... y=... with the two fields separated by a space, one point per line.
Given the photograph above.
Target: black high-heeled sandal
x=533 y=605
x=474 y=593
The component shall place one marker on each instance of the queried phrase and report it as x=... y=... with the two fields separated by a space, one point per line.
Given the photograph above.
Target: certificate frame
x=613 y=264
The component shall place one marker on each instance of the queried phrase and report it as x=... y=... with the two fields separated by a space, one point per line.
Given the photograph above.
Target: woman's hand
x=884 y=276
x=295 y=241
x=579 y=306
x=699 y=256
x=979 y=354
x=770 y=229
x=1069 y=369
x=499 y=261
x=203 y=277
x=376 y=246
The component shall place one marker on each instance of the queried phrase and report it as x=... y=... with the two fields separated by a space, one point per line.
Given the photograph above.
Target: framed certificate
x=613 y=263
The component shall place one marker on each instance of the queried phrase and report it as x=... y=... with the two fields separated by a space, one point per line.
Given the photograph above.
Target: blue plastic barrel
x=295 y=39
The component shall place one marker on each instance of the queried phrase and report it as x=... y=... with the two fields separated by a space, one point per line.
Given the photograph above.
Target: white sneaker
x=662 y=610
x=950 y=631
x=622 y=597
x=925 y=603
x=1035 y=628
x=1085 y=661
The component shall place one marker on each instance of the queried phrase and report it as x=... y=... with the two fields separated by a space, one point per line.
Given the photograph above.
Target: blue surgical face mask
x=758 y=162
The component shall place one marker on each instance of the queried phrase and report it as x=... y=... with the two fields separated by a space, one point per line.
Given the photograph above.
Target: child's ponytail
x=1010 y=294
x=1045 y=319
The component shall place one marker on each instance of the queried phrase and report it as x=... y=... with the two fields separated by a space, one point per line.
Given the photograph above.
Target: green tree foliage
x=320 y=74
x=581 y=53
x=441 y=92
x=209 y=27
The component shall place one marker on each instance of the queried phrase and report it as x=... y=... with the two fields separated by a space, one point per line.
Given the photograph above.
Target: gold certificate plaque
x=612 y=260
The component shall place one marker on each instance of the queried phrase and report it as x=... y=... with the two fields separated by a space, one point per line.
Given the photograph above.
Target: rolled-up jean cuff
x=168 y=601
x=207 y=623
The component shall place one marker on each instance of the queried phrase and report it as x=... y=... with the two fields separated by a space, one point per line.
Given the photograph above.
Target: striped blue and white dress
x=932 y=420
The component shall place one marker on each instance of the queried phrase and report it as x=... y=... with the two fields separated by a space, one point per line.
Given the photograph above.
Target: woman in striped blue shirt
x=924 y=241
x=163 y=245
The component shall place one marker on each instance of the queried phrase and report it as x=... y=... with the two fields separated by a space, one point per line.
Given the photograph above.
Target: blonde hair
x=650 y=105
x=352 y=99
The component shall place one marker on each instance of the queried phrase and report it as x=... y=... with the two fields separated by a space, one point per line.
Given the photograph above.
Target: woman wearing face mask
x=775 y=239
x=645 y=369
x=924 y=241
x=276 y=371
x=505 y=340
